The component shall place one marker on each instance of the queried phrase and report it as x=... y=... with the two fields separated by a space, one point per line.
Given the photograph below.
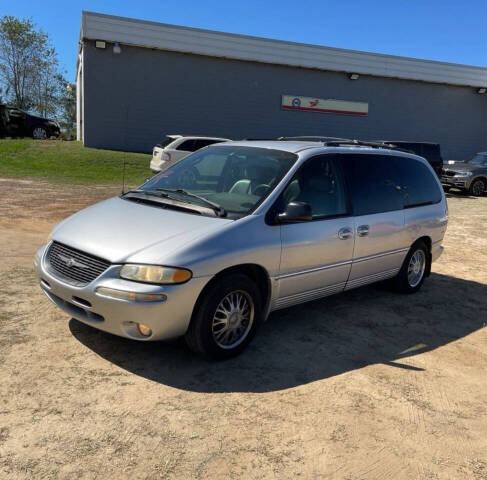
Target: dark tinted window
x=419 y=185
x=319 y=183
x=431 y=152
x=166 y=141
x=375 y=183
x=187 y=146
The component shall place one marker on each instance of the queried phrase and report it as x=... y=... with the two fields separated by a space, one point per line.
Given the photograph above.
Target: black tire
x=401 y=282
x=446 y=189
x=477 y=188
x=200 y=337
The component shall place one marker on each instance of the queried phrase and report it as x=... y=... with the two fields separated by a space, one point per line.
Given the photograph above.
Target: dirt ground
x=366 y=385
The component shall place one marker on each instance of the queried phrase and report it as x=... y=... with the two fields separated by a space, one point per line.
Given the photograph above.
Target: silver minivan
x=263 y=226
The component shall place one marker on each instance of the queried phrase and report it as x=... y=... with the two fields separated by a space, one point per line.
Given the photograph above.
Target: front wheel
x=226 y=319
x=477 y=188
x=39 y=133
x=413 y=271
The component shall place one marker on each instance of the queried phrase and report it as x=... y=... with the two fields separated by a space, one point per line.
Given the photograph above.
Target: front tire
x=414 y=268
x=39 y=133
x=226 y=319
x=477 y=188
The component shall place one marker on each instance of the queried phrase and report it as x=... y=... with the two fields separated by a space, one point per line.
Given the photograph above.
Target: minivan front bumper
x=167 y=319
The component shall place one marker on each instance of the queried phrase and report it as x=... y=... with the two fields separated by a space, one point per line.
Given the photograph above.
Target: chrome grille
x=73 y=266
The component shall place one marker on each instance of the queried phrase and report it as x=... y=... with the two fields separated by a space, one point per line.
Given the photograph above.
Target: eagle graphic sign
x=322 y=105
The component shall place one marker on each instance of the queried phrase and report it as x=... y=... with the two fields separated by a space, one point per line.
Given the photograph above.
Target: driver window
x=319 y=183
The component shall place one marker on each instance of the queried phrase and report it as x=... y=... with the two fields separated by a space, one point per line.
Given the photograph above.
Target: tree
x=20 y=49
x=29 y=68
x=68 y=105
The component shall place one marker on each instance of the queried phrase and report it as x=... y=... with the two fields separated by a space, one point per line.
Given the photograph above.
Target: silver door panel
x=313 y=255
x=311 y=280
x=295 y=299
x=376 y=277
x=381 y=249
x=383 y=262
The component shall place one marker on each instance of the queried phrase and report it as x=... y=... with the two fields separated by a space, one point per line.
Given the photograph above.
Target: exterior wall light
x=117 y=50
x=100 y=44
x=482 y=90
x=354 y=76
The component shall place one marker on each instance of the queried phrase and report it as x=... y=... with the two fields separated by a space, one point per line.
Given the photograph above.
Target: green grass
x=70 y=162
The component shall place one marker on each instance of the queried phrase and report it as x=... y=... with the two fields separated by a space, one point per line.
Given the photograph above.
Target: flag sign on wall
x=311 y=104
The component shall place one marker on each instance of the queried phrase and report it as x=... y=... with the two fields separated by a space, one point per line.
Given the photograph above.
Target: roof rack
x=313 y=138
x=365 y=143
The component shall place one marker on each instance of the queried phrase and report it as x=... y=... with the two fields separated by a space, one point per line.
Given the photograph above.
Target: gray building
x=139 y=80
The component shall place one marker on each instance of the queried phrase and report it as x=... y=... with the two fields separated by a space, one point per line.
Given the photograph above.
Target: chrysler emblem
x=70 y=262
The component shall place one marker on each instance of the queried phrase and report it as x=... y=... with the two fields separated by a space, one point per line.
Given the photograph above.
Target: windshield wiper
x=218 y=209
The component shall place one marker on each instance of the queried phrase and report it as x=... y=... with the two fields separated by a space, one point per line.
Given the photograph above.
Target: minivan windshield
x=478 y=160
x=234 y=178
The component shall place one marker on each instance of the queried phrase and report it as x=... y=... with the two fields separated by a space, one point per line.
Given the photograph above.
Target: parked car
x=430 y=151
x=265 y=225
x=470 y=176
x=17 y=123
x=176 y=147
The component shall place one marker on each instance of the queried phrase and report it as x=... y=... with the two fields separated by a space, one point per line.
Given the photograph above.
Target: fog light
x=144 y=330
x=131 y=296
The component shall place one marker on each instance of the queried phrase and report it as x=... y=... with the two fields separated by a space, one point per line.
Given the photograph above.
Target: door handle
x=344 y=233
x=363 y=230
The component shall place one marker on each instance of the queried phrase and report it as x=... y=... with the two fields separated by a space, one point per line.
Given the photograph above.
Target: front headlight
x=155 y=274
x=463 y=174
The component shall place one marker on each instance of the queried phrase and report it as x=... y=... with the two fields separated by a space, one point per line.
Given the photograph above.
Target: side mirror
x=295 y=212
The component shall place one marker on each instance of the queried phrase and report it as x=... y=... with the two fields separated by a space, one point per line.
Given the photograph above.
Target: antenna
x=123 y=176
x=125 y=149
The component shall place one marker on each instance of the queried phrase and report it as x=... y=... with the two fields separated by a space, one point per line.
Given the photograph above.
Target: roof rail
x=364 y=143
x=313 y=138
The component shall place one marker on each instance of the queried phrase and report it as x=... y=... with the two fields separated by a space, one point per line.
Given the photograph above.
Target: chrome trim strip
x=340 y=264
x=378 y=255
x=307 y=296
x=315 y=269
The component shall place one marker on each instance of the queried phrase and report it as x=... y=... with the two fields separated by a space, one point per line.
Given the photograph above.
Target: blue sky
x=445 y=30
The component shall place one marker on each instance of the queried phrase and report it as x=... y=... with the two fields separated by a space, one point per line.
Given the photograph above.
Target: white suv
x=176 y=147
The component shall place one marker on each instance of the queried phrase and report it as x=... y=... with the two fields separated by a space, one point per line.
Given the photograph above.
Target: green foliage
x=29 y=67
x=70 y=162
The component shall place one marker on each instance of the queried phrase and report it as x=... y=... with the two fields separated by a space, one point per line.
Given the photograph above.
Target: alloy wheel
x=478 y=187
x=233 y=319
x=416 y=268
x=39 y=133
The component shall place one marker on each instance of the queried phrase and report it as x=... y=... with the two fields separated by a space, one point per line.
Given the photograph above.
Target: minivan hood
x=118 y=229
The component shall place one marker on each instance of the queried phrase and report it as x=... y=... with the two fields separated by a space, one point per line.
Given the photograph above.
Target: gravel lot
x=366 y=385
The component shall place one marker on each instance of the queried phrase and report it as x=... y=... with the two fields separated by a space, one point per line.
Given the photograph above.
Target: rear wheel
x=226 y=319
x=413 y=271
x=477 y=188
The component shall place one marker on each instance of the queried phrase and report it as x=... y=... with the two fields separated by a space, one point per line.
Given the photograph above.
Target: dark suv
x=17 y=123
x=427 y=150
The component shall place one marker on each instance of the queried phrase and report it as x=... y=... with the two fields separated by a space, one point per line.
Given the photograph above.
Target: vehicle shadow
x=459 y=194
x=313 y=341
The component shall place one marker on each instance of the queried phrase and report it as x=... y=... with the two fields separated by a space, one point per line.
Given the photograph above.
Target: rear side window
x=419 y=184
x=431 y=152
x=375 y=184
x=187 y=146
